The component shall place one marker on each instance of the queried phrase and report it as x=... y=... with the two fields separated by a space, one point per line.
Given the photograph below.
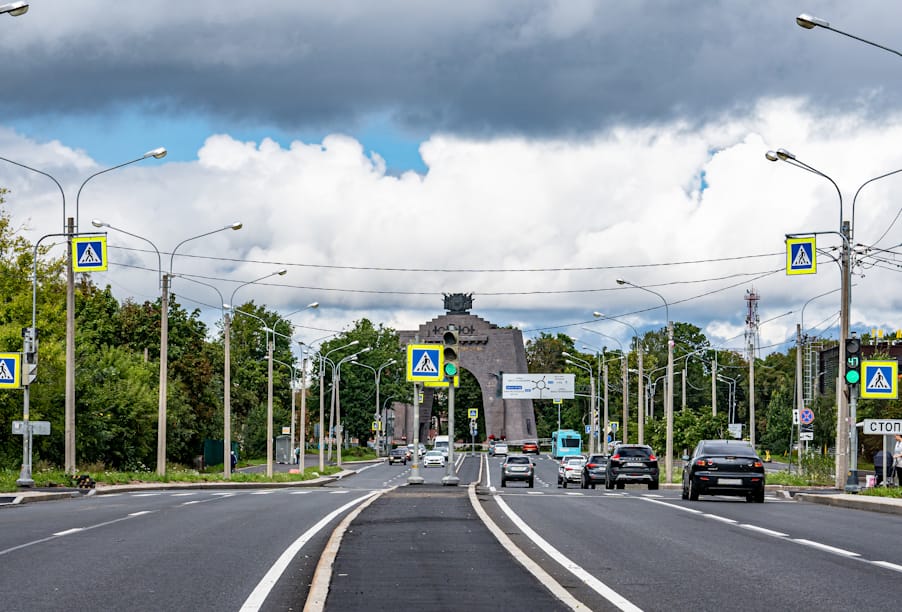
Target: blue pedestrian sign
x=89 y=254
x=879 y=379
x=10 y=370
x=801 y=255
x=424 y=362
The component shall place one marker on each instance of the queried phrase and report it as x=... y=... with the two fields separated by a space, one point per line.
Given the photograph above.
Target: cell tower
x=752 y=339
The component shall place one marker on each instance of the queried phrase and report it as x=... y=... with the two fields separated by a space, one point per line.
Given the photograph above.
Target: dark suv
x=397 y=455
x=723 y=467
x=632 y=463
x=594 y=471
x=518 y=467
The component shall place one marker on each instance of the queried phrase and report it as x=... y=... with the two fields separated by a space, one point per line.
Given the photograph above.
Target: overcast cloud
x=565 y=144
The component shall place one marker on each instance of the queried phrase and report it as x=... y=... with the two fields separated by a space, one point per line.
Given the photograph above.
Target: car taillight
x=757 y=464
x=652 y=458
x=700 y=462
x=592 y=465
x=616 y=457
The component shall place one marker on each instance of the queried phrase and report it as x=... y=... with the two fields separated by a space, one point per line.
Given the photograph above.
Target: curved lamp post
x=336 y=390
x=593 y=417
x=640 y=402
x=377 y=374
x=322 y=365
x=668 y=397
x=14 y=9
x=810 y=22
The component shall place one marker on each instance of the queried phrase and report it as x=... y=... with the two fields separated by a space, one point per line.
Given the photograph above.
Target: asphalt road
x=440 y=548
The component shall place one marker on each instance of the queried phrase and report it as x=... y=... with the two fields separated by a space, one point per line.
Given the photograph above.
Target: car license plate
x=518 y=469
x=633 y=464
x=729 y=481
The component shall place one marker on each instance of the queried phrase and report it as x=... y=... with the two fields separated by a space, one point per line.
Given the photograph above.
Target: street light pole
x=640 y=403
x=809 y=22
x=323 y=359
x=377 y=375
x=668 y=397
x=593 y=417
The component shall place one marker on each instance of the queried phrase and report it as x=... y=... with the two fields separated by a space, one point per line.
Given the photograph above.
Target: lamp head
x=620 y=281
x=237 y=226
x=158 y=153
x=598 y=315
x=566 y=354
x=772 y=156
x=313 y=305
x=16 y=9
x=99 y=223
x=784 y=154
x=808 y=22
x=352 y=343
x=281 y=272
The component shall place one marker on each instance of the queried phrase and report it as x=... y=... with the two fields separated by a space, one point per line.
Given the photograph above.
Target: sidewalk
x=889 y=505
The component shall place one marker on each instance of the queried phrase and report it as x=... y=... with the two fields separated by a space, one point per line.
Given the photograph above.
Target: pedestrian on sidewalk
x=883 y=462
x=897 y=455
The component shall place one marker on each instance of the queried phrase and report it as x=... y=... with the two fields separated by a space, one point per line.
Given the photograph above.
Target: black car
x=397 y=455
x=724 y=467
x=518 y=467
x=594 y=472
x=631 y=464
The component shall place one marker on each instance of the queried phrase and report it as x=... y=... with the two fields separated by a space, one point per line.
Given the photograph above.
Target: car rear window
x=633 y=452
x=518 y=460
x=729 y=450
x=597 y=459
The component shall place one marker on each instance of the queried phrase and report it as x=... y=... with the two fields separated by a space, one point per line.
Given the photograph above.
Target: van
x=441 y=443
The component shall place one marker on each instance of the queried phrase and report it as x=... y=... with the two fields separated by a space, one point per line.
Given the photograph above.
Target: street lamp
x=14 y=9
x=303 y=415
x=809 y=22
x=323 y=358
x=593 y=417
x=640 y=402
x=69 y=229
x=602 y=376
x=668 y=397
x=377 y=373
x=336 y=391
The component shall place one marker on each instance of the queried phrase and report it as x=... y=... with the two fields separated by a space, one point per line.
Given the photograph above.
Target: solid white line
x=531 y=566
x=261 y=591
x=824 y=547
x=68 y=531
x=139 y=513
x=764 y=531
x=674 y=506
x=145 y=494
x=888 y=565
x=182 y=494
x=188 y=503
x=722 y=519
x=588 y=579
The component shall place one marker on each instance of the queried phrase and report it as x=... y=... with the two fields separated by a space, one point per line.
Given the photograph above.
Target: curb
x=855 y=502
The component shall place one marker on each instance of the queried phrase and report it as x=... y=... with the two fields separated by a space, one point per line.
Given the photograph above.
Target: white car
x=420 y=453
x=500 y=449
x=434 y=458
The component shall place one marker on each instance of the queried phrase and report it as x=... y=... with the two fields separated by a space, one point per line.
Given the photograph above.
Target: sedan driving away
x=594 y=471
x=518 y=467
x=724 y=467
x=571 y=470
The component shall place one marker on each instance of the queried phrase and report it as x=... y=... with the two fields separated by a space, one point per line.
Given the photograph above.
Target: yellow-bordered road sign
x=10 y=370
x=473 y=413
x=801 y=255
x=89 y=254
x=879 y=379
x=424 y=363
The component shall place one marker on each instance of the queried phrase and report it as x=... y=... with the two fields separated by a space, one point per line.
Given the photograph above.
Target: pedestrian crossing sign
x=10 y=370
x=801 y=255
x=879 y=379
x=424 y=363
x=89 y=254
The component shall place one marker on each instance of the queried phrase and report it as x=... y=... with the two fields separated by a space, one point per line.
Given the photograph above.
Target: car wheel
x=685 y=492
x=621 y=485
x=756 y=497
x=583 y=484
x=565 y=483
x=593 y=485
x=652 y=486
x=693 y=491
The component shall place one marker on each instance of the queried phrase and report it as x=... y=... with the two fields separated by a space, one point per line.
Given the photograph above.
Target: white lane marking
x=651 y=495
x=531 y=566
x=223 y=494
x=535 y=492
x=762 y=530
x=577 y=494
x=588 y=579
x=722 y=519
x=339 y=492
x=363 y=469
x=195 y=501
x=258 y=596
x=888 y=565
x=824 y=547
x=299 y=492
x=674 y=506
x=266 y=492
x=183 y=494
x=140 y=512
x=68 y=531
x=145 y=494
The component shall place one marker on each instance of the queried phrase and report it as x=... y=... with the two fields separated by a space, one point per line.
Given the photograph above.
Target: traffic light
x=451 y=352
x=853 y=361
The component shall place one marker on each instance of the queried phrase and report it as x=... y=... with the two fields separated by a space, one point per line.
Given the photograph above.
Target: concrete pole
x=302 y=433
x=624 y=375
x=70 y=354
x=269 y=347
x=607 y=421
x=322 y=435
x=685 y=372
x=800 y=398
x=752 y=393
x=227 y=397
x=339 y=432
x=669 y=403
x=714 y=386
x=641 y=400
x=293 y=415
x=450 y=478
x=164 y=358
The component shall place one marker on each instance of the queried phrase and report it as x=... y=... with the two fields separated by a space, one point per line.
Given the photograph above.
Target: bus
x=566 y=443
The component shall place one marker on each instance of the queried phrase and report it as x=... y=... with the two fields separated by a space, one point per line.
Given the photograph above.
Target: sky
x=528 y=152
